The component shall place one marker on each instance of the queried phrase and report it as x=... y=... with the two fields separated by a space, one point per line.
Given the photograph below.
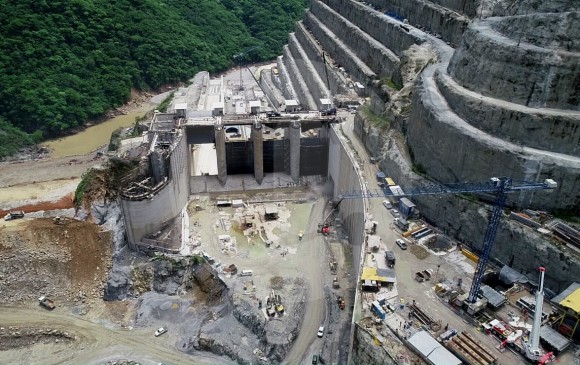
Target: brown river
x=93 y=137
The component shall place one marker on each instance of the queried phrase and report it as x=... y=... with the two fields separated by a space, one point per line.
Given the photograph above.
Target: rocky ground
x=67 y=262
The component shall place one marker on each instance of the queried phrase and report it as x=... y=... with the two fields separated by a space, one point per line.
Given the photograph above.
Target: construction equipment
x=240 y=58
x=528 y=346
x=533 y=351
x=324 y=227
x=335 y=283
x=340 y=301
x=499 y=186
x=14 y=214
x=46 y=303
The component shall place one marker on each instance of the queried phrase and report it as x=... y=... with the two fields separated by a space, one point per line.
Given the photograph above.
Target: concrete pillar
x=220 y=149
x=258 y=139
x=295 y=151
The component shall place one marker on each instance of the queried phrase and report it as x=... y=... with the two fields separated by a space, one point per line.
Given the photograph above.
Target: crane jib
x=456 y=188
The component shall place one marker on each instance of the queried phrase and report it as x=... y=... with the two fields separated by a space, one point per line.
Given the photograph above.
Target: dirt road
x=307 y=342
x=96 y=344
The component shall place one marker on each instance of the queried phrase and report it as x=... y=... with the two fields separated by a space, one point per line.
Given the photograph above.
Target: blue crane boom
x=499 y=186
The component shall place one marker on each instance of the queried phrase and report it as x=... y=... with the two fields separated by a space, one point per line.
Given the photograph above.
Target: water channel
x=93 y=137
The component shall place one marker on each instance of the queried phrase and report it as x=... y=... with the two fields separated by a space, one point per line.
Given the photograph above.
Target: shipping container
x=406 y=207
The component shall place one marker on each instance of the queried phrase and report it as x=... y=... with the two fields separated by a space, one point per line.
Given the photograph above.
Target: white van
x=246 y=273
x=387 y=204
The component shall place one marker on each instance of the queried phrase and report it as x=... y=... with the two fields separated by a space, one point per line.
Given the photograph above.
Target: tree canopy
x=65 y=62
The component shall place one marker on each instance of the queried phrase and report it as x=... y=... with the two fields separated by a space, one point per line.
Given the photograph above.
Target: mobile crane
x=527 y=346
x=499 y=186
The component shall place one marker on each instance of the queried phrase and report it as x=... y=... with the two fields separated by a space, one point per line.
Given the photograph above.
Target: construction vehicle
x=274 y=304
x=335 y=283
x=324 y=227
x=498 y=186
x=340 y=301
x=14 y=214
x=60 y=221
x=528 y=345
x=333 y=266
x=46 y=303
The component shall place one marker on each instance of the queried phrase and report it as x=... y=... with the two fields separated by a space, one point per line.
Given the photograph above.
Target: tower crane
x=239 y=58
x=499 y=186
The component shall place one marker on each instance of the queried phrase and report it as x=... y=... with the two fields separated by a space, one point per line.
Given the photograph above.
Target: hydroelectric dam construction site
x=400 y=186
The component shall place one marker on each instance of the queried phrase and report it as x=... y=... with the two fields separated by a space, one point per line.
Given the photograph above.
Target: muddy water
x=93 y=137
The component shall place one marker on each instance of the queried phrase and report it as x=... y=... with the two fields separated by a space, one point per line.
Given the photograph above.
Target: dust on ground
x=419 y=252
x=64 y=261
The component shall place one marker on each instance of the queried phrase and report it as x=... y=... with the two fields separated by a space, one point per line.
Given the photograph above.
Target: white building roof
x=181 y=106
x=217 y=105
x=290 y=102
x=325 y=101
x=255 y=103
x=431 y=350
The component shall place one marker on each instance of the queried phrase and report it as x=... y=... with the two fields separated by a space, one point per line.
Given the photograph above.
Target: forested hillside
x=65 y=62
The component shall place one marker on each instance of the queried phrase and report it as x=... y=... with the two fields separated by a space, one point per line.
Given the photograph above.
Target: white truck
x=14 y=214
x=46 y=303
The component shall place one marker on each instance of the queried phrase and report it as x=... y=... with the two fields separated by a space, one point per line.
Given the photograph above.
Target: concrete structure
x=154 y=194
x=220 y=147
x=294 y=137
x=257 y=140
x=213 y=124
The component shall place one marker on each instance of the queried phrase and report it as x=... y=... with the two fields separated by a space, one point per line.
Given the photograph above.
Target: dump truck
x=340 y=301
x=14 y=214
x=46 y=303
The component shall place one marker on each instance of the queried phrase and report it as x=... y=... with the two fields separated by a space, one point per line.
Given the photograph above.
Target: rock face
x=366 y=352
x=540 y=74
x=435 y=18
x=118 y=284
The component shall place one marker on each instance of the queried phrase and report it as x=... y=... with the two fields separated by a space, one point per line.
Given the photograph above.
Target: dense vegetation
x=65 y=62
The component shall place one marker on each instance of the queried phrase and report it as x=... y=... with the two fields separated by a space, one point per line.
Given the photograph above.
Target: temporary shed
x=271 y=212
x=494 y=299
x=554 y=339
x=291 y=105
x=432 y=351
x=378 y=275
x=255 y=106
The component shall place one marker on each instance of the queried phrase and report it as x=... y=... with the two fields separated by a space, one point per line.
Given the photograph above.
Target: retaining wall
x=449 y=150
x=316 y=86
x=336 y=82
x=300 y=86
x=286 y=84
x=493 y=65
x=548 y=129
x=390 y=32
x=345 y=56
x=370 y=51
x=431 y=16
x=143 y=217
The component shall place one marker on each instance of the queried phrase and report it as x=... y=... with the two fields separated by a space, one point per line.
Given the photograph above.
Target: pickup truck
x=46 y=303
